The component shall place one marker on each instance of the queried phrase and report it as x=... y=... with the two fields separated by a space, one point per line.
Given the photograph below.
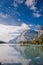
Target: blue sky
x=21 y=13
x=28 y=11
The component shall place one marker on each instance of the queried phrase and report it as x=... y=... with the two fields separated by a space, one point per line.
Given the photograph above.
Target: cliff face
x=27 y=35
x=41 y=38
x=40 y=31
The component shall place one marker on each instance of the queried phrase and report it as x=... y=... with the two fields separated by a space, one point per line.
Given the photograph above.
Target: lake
x=15 y=54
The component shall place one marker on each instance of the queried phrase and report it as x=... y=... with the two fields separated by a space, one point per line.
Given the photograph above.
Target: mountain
x=26 y=35
x=17 y=39
x=30 y=35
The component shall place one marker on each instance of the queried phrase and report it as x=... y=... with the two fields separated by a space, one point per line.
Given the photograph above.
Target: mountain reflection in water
x=11 y=54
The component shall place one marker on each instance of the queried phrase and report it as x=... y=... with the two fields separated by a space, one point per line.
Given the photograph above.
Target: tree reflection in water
x=33 y=52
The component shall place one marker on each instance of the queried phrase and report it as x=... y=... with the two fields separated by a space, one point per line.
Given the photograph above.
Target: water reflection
x=25 y=55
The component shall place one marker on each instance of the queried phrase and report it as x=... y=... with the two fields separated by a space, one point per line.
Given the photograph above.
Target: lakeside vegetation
x=39 y=40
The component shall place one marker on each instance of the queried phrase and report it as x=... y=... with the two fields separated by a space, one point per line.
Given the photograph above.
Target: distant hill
x=26 y=35
x=2 y=42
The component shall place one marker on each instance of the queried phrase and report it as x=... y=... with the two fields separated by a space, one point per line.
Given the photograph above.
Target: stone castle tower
x=40 y=31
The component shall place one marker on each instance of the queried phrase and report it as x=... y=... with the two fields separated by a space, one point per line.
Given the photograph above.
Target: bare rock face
x=29 y=35
x=40 y=31
x=26 y=35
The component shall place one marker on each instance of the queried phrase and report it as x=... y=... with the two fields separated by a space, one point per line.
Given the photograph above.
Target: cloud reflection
x=9 y=54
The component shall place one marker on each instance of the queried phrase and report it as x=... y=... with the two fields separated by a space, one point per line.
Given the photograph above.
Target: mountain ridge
x=26 y=35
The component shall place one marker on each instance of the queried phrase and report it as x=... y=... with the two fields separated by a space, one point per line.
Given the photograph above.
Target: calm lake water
x=15 y=54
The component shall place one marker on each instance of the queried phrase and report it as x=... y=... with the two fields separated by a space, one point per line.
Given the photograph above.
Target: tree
x=41 y=39
x=0 y=63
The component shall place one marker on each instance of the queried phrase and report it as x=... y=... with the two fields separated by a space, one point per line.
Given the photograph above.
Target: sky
x=19 y=15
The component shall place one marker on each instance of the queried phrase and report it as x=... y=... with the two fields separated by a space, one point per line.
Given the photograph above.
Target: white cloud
x=30 y=25
x=24 y=26
x=31 y=4
x=3 y=15
x=5 y=31
x=17 y=2
x=20 y=1
x=36 y=14
x=33 y=8
x=19 y=19
x=35 y=27
x=7 y=55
